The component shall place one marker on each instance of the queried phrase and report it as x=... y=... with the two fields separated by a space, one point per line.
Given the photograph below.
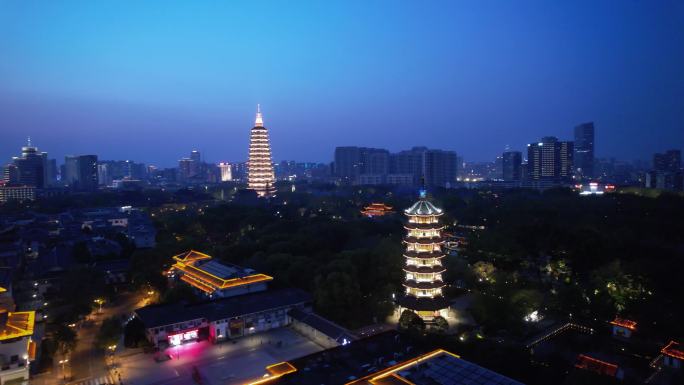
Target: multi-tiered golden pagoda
x=260 y=176
x=424 y=254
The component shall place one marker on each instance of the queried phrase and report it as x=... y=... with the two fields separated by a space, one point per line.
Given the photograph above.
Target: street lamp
x=111 y=349
x=63 y=363
x=99 y=301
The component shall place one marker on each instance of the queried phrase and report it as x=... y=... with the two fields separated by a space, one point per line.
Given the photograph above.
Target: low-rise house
x=232 y=317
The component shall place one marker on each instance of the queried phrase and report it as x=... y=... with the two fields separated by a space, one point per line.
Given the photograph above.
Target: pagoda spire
x=259 y=121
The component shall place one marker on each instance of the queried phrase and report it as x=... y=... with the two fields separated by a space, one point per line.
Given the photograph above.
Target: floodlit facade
x=16 y=348
x=424 y=253
x=376 y=210
x=226 y=172
x=215 y=279
x=260 y=175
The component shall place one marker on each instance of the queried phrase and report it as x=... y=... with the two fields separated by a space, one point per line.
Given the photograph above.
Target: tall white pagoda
x=260 y=176
x=424 y=253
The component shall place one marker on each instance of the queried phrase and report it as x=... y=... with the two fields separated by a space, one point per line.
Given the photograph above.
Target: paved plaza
x=227 y=363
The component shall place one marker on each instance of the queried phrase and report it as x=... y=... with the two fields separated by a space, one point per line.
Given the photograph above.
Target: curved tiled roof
x=428 y=255
x=424 y=269
x=423 y=226
x=423 y=207
x=425 y=241
x=424 y=285
x=423 y=303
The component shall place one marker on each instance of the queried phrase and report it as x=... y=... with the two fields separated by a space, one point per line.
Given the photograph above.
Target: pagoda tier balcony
x=424 y=285
x=424 y=255
x=423 y=303
x=434 y=269
x=425 y=241
x=423 y=226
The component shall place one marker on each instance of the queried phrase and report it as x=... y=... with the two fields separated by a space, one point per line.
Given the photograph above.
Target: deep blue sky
x=150 y=82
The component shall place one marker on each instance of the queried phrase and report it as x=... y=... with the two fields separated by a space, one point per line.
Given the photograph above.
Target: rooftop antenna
x=28 y=141
x=259 y=121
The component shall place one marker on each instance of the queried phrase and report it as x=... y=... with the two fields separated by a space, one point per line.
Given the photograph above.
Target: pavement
x=226 y=363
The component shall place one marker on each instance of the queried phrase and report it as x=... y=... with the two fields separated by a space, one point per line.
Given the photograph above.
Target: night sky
x=150 y=82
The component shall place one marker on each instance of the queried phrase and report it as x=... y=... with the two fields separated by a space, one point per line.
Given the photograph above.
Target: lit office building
x=423 y=281
x=81 y=172
x=511 y=166
x=31 y=166
x=226 y=172
x=550 y=161
x=17 y=193
x=260 y=175
x=584 y=150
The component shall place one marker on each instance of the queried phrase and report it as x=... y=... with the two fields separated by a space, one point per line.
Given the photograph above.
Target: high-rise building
x=363 y=165
x=669 y=161
x=81 y=172
x=196 y=156
x=584 y=150
x=357 y=164
x=51 y=172
x=407 y=165
x=440 y=168
x=31 y=166
x=424 y=253
x=347 y=162
x=226 y=172
x=550 y=160
x=187 y=169
x=511 y=166
x=10 y=174
x=260 y=175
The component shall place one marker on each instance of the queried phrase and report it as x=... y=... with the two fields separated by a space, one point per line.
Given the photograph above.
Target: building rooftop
x=167 y=314
x=423 y=207
x=202 y=272
x=383 y=359
x=377 y=209
x=595 y=365
x=16 y=324
x=342 y=364
x=674 y=350
x=329 y=328
x=625 y=323
x=438 y=367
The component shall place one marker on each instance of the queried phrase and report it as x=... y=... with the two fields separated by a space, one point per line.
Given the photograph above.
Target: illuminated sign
x=177 y=339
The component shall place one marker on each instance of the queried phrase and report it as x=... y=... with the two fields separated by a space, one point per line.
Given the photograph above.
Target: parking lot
x=222 y=364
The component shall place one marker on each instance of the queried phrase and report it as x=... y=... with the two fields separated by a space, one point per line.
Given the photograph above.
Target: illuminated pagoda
x=260 y=176
x=424 y=254
x=376 y=210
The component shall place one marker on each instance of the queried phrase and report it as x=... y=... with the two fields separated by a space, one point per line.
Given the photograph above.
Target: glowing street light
x=63 y=363
x=99 y=301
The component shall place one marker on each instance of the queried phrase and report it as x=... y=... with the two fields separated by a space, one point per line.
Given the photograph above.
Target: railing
x=558 y=330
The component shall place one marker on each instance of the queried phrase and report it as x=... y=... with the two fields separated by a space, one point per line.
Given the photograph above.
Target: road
x=87 y=363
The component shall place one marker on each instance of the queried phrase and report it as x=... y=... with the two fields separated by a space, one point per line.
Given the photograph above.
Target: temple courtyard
x=228 y=363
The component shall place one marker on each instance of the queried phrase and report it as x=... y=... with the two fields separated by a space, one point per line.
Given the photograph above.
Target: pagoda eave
x=424 y=269
x=424 y=303
x=424 y=285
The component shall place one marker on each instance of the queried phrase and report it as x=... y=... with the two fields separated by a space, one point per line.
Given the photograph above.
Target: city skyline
x=471 y=78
